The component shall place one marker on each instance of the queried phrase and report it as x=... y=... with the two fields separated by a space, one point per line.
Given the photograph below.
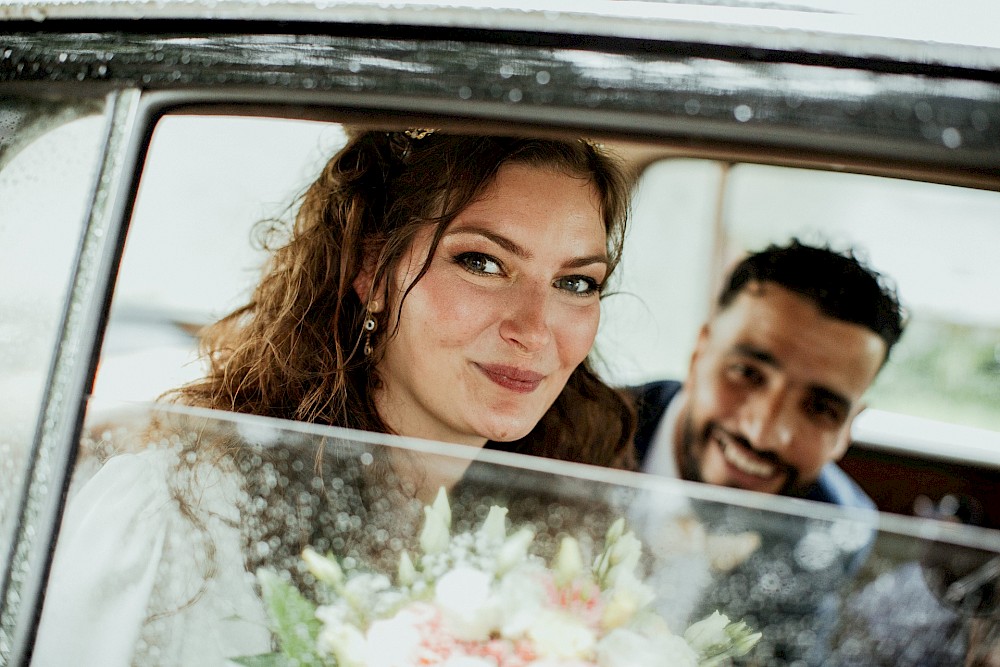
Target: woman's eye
x=577 y=284
x=477 y=262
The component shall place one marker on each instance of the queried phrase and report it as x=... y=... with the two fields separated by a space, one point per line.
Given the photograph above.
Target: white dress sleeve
x=137 y=579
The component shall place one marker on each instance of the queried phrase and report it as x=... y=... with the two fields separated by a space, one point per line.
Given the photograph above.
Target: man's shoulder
x=836 y=487
x=650 y=401
x=654 y=394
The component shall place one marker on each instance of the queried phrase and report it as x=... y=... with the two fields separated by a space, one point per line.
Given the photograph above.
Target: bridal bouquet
x=481 y=599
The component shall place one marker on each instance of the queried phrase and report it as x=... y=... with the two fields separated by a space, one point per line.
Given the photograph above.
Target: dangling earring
x=370 y=325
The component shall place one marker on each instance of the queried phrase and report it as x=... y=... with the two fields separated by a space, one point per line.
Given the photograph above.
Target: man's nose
x=526 y=322
x=768 y=420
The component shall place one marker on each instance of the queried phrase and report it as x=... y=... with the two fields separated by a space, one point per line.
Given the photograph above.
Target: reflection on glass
x=48 y=165
x=180 y=520
x=935 y=242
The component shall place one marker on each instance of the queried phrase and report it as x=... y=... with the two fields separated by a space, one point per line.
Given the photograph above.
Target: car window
x=218 y=509
x=207 y=216
x=49 y=157
x=693 y=218
x=206 y=535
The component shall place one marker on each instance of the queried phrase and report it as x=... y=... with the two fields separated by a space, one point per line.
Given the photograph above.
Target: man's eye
x=827 y=411
x=745 y=373
x=577 y=285
x=477 y=262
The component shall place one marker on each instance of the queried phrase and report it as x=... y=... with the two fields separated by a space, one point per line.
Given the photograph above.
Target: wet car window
x=934 y=405
x=49 y=156
x=933 y=242
x=189 y=511
x=221 y=201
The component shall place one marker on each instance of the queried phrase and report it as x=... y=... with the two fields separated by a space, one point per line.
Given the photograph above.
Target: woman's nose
x=526 y=322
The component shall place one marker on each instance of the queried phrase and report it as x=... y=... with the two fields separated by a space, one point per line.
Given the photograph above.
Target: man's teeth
x=742 y=462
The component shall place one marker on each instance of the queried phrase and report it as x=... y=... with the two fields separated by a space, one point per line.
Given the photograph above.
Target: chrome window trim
x=69 y=382
x=891 y=120
x=819 y=27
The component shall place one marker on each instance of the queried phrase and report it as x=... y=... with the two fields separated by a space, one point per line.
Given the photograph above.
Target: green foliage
x=294 y=624
x=262 y=660
x=945 y=371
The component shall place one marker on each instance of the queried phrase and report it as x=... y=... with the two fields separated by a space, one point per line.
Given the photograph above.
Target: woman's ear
x=369 y=294
x=363 y=284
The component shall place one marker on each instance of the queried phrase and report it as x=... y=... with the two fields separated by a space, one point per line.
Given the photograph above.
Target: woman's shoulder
x=150 y=546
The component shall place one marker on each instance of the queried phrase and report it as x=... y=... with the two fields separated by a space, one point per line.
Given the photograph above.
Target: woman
x=421 y=266
x=435 y=286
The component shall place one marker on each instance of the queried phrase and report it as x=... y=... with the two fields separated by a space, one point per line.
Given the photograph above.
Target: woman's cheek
x=576 y=331
x=460 y=308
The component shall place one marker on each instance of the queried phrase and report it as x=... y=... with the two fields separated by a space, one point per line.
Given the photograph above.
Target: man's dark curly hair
x=838 y=283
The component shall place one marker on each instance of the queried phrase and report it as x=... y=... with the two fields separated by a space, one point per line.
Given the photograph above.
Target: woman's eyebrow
x=524 y=253
x=501 y=241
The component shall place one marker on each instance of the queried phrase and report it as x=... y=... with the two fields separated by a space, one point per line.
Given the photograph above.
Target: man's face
x=773 y=387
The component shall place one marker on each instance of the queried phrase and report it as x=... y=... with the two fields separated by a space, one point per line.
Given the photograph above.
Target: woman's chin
x=508 y=430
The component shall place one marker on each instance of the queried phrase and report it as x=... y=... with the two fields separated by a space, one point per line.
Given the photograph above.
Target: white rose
x=625 y=648
x=468 y=661
x=559 y=635
x=393 y=642
x=626 y=597
x=344 y=642
x=520 y=599
x=708 y=632
x=463 y=595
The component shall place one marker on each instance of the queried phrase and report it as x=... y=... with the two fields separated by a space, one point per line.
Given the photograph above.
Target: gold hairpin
x=418 y=133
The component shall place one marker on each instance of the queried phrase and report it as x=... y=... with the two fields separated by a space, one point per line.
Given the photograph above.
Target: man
x=775 y=381
x=776 y=378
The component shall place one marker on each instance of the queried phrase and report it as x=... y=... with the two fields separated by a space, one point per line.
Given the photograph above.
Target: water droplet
x=506 y=71
x=923 y=112
x=465 y=92
x=515 y=95
x=543 y=77
x=743 y=113
x=951 y=137
x=692 y=107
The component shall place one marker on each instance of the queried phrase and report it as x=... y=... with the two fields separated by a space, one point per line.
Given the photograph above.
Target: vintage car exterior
x=801 y=84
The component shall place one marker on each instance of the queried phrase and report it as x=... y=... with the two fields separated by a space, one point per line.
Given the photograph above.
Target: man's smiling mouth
x=739 y=459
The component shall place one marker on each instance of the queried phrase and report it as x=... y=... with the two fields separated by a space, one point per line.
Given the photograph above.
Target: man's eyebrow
x=760 y=355
x=524 y=253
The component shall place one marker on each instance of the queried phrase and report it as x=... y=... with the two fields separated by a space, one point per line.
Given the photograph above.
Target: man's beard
x=693 y=447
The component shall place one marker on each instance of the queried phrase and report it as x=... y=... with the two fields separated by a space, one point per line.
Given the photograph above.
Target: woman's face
x=508 y=308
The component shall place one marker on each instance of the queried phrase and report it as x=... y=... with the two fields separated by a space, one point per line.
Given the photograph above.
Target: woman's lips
x=510 y=377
